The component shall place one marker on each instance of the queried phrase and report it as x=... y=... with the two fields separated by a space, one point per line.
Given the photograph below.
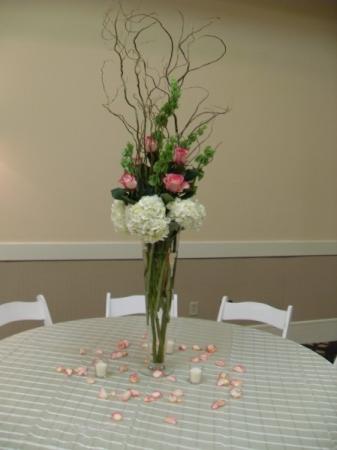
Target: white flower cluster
x=189 y=214
x=147 y=218
x=118 y=215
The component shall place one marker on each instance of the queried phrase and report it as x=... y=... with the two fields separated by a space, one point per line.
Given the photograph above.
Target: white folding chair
x=16 y=311
x=134 y=304
x=258 y=312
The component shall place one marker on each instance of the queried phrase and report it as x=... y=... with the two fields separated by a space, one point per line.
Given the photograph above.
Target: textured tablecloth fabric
x=289 y=393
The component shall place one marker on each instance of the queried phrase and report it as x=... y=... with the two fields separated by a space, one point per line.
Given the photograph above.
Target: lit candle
x=195 y=375
x=170 y=346
x=101 y=367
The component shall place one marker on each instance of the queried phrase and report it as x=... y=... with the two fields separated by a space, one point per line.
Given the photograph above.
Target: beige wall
x=77 y=289
x=275 y=175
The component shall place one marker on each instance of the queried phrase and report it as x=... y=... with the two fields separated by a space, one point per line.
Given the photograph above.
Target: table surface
x=289 y=392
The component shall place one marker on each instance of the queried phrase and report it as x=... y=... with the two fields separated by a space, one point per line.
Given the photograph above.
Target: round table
x=289 y=396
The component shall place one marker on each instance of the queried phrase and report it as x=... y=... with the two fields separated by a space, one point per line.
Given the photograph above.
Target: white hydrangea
x=189 y=214
x=118 y=215
x=147 y=219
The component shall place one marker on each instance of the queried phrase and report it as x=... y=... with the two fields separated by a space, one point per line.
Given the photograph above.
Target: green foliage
x=192 y=137
x=122 y=194
x=127 y=159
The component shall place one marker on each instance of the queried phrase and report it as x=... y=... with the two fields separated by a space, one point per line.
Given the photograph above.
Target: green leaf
x=167 y=198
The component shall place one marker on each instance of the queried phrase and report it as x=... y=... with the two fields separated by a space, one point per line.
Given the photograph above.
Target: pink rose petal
x=102 y=394
x=148 y=399
x=134 y=378
x=236 y=393
x=99 y=352
x=182 y=347
x=196 y=347
x=90 y=380
x=172 y=378
x=211 y=348
x=123 y=344
x=195 y=359
x=134 y=393
x=117 y=416
x=68 y=371
x=156 y=395
x=170 y=420
x=123 y=368
x=60 y=369
x=204 y=357
x=239 y=368
x=83 y=351
x=236 y=383
x=218 y=404
x=81 y=371
x=178 y=393
x=172 y=398
x=119 y=354
x=220 y=363
x=157 y=373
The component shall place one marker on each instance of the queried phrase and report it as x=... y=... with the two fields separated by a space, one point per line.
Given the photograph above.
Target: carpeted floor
x=327 y=349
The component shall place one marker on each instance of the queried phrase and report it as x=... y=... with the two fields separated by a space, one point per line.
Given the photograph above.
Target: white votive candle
x=170 y=346
x=195 y=375
x=101 y=367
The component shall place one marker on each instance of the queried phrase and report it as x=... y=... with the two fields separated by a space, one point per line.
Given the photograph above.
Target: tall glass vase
x=160 y=260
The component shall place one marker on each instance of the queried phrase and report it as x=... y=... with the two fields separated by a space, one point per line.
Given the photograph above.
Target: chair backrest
x=258 y=312
x=134 y=304
x=16 y=311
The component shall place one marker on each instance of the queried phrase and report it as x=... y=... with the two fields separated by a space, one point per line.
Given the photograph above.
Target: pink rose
x=175 y=182
x=180 y=155
x=128 y=181
x=150 y=144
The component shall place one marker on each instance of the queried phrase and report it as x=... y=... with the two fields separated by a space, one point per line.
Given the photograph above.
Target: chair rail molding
x=116 y=250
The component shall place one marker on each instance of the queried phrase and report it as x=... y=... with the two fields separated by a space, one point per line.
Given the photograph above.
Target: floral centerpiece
x=165 y=158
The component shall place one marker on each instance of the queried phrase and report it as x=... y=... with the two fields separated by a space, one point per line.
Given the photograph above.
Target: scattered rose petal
x=223 y=379
x=172 y=378
x=112 y=394
x=236 y=383
x=148 y=399
x=211 y=348
x=236 y=393
x=170 y=420
x=196 y=347
x=195 y=359
x=102 y=394
x=81 y=371
x=172 y=398
x=83 y=351
x=178 y=393
x=220 y=363
x=123 y=344
x=123 y=368
x=182 y=347
x=60 y=369
x=99 y=352
x=134 y=378
x=239 y=368
x=156 y=395
x=119 y=354
x=68 y=371
x=134 y=393
x=157 y=373
x=117 y=416
x=90 y=380
x=218 y=404
x=204 y=357
x=124 y=396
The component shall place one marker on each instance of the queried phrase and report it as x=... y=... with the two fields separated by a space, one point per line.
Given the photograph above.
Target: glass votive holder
x=101 y=369
x=195 y=374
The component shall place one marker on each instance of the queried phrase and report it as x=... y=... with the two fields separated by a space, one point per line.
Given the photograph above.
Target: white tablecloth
x=289 y=393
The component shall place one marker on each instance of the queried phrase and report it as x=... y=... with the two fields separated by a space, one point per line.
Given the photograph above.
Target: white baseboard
x=308 y=331
x=56 y=251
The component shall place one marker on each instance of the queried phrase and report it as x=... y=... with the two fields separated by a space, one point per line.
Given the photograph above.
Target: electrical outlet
x=193 y=308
